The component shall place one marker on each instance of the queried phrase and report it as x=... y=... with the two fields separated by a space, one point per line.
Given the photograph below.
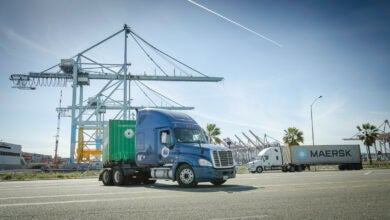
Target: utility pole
x=311 y=114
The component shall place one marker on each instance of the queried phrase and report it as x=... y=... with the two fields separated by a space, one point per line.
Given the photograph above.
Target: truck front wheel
x=185 y=176
x=107 y=178
x=118 y=177
x=259 y=169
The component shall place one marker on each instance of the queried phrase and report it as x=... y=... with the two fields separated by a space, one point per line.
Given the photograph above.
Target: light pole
x=311 y=114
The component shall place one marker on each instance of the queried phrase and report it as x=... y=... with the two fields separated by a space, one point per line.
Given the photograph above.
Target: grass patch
x=243 y=169
x=46 y=175
x=376 y=164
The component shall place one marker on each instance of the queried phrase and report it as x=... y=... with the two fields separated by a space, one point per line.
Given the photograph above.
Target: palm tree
x=212 y=132
x=293 y=136
x=368 y=134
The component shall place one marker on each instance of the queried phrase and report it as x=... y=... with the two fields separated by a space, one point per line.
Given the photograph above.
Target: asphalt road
x=361 y=194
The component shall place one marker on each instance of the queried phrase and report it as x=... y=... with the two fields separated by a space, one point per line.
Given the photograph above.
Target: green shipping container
x=119 y=141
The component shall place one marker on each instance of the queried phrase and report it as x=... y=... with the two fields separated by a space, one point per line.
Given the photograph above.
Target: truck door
x=278 y=158
x=165 y=146
x=267 y=162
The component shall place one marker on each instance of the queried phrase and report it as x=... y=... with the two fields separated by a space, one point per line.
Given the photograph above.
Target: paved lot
x=308 y=195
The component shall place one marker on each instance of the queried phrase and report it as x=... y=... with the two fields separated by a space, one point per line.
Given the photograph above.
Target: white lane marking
x=88 y=201
x=249 y=178
x=85 y=194
x=47 y=187
x=243 y=217
x=367 y=173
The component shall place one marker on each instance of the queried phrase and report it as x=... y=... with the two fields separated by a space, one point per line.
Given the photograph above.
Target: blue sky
x=337 y=49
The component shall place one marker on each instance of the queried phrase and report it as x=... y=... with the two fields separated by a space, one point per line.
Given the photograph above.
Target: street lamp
x=311 y=114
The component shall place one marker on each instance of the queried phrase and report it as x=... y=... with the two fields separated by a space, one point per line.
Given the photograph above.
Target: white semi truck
x=298 y=158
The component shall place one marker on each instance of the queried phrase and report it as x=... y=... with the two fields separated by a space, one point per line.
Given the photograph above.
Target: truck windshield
x=189 y=135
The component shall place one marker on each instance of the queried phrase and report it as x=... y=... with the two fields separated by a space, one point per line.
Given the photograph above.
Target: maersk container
x=297 y=158
x=322 y=154
x=119 y=142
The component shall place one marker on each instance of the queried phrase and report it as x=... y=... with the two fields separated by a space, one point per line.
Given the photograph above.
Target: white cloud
x=13 y=36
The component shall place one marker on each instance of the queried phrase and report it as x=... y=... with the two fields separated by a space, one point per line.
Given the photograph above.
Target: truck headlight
x=204 y=163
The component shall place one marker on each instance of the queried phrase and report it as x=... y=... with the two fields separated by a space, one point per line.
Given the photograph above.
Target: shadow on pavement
x=200 y=188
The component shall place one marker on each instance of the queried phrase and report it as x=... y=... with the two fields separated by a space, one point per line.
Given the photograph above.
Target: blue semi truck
x=162 y=144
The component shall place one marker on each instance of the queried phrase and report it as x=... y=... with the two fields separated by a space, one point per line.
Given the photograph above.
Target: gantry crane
x=251 y=141
x=383 y=138
x=262 y=143
x=87 y=114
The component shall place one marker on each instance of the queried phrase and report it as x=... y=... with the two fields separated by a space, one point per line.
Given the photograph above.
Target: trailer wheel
x=341 y=167
x=291 y=169
x=259 y=169
x=299 y=168
x=118 y=177
x=185 y=176
x=107 y=178
x=284 y=169
x=218 y=182
x=358 y=166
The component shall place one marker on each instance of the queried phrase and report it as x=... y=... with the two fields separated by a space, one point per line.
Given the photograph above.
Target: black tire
x=218 y=182
x=259 y=169
x=350 y=166
x=185 y=176
x=107 y=178
x=291 y=169
x=284 y=169
x=298 y=168
x=358 y=166
x=117 y=177
x=341 y=167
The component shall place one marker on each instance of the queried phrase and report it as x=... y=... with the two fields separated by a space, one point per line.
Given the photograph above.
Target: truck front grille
x=222 y=159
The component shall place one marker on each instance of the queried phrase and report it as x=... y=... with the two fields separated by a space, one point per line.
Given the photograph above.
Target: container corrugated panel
x=325 y=154
x=119 y=141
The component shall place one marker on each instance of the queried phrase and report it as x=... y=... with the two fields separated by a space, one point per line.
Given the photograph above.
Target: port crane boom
x=87 y=114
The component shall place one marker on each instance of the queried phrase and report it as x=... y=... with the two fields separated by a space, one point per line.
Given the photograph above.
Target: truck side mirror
x=166 y=139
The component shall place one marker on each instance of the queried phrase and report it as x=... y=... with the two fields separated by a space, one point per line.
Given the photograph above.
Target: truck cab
x=268 y=159
x=162 y=144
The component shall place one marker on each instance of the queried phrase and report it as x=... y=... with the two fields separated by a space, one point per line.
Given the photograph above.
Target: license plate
x=225 y=177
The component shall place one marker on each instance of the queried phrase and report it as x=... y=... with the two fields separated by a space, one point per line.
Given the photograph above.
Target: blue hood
x=205 y=146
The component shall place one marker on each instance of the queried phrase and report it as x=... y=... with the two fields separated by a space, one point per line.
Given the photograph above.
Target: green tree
x=293 y=136
x=211 y=133
x=368 y=134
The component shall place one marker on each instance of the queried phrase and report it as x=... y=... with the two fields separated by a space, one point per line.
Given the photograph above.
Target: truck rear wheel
x=118 y=177
x=259 y=169
x=185 y=176
x=107 y=178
